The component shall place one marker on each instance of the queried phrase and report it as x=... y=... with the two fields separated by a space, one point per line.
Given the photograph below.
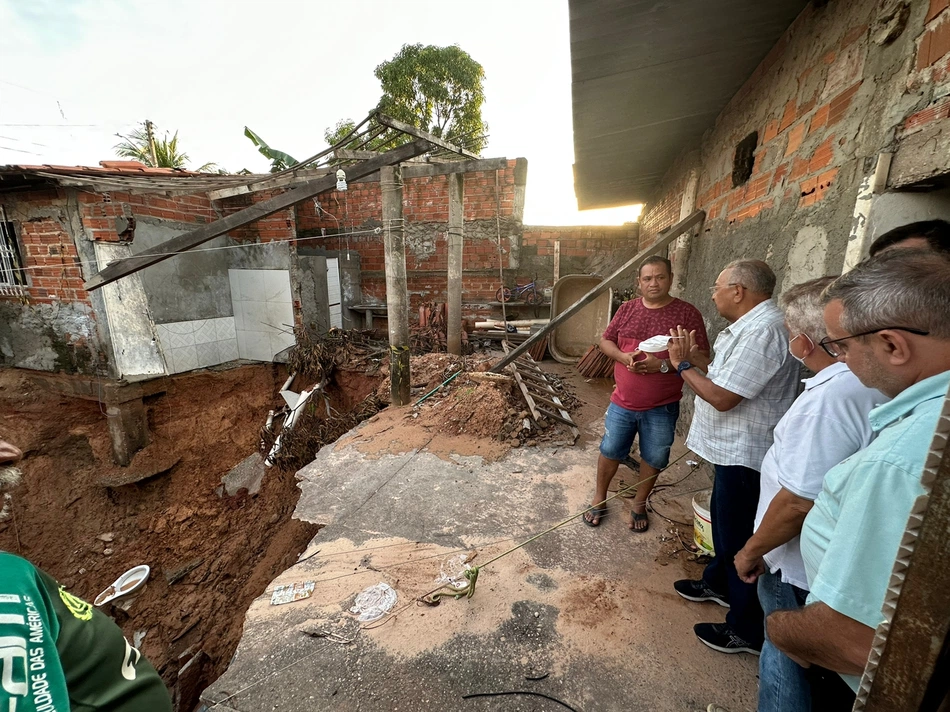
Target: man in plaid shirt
x=742 y=395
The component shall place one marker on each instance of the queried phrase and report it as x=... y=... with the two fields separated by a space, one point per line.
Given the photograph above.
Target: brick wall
x=352 y=220
x=425 y=199
x=51 y=261
x=844 y=83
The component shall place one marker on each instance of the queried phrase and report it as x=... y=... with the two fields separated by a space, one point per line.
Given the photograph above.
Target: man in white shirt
x=825 y=425
x=750 y=384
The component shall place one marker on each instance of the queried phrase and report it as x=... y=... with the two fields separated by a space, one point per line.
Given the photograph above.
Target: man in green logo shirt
x=58 y=653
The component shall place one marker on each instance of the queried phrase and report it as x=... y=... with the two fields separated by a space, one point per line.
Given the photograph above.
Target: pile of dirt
x=428 y=371
x=210 y=557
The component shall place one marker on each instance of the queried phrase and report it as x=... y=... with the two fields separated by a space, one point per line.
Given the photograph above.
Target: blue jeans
x=656 y=427
x=735 y=497
x=783 y=684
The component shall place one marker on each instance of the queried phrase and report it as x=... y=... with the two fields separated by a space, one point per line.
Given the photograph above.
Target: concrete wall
x=184 y=287
x=580 y=250
x=847 y=81
x=898 y=208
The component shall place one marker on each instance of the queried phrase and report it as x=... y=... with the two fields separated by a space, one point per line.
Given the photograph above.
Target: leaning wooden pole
x=664 y=240
x=397 y=292
x=455 y=242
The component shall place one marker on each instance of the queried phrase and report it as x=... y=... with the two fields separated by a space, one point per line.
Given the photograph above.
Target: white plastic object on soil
x=374 y=602
x=131 y=580
x=452 y=571
x=288 y=593
x=656 y=344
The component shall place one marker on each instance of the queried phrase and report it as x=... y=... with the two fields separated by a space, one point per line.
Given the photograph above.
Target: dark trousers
x=735 y=497
x=829 y=693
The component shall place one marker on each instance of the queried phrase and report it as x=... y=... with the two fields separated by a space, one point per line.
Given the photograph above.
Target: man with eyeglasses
x=889 y=321
x=748 y=387
x=825 y=425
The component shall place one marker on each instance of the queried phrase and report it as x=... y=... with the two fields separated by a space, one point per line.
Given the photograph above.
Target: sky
x=74 y=73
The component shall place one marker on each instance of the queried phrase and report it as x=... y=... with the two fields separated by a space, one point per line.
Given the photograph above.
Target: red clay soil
x=231 y=548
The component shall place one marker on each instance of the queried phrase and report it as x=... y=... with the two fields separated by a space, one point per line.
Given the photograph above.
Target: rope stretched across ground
x=435 y=596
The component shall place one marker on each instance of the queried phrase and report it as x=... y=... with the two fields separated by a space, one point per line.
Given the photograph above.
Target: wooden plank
x=682 y=226
x=532 y=406
x=419 y=133
x=300 y=176
x=558 y=417
x=348 y=154
x=243 y=217
x=416 y=170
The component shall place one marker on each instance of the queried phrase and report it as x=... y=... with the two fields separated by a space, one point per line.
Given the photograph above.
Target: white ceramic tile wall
x=188 y=345
x=263 y=312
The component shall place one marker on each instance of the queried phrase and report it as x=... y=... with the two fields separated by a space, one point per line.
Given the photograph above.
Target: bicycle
x=527 y=292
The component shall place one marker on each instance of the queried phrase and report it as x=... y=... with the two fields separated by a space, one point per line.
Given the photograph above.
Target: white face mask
x=797 y=358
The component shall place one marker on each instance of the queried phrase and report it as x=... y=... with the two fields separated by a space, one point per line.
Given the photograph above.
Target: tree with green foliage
x=437 y=89
x=135 y=146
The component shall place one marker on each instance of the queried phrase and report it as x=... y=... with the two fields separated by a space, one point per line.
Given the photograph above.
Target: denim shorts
x=656 y=428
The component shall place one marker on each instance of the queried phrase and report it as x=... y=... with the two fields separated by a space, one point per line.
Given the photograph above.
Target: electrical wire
x=94 y=264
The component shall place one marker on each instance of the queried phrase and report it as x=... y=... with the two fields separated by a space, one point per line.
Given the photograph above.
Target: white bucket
x=702 y=523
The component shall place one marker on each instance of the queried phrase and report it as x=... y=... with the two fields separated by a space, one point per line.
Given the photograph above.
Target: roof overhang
x=650 y=76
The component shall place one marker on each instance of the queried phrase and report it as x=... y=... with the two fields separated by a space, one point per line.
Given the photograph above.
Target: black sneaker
x=698 y=591
x=719 y=636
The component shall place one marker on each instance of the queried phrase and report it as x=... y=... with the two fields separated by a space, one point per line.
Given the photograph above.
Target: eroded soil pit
x=210 y=556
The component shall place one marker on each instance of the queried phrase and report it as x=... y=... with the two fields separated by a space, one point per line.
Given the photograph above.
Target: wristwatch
x=664 y=366
x=683 y=366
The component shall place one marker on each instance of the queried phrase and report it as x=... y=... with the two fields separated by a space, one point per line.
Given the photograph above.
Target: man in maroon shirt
x=646 y=400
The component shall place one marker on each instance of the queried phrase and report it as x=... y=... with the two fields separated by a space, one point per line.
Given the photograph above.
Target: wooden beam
x=419 y=170
x=304 y=174
x=667 y=237
x=348 y=154
x=257 y=211
x=419 y=133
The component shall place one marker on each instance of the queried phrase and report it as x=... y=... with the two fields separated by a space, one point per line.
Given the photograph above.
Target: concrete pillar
x=679 y=250
x=455 y=240
x=397 y=292
x=128 y=429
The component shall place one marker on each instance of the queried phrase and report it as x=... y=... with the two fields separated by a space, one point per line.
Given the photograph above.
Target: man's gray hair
x=804 y=308
x=754 y=275
x=906 y=288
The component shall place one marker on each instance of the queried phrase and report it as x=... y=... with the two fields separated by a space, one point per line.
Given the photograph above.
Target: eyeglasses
x=831 y=345
x=716 y=287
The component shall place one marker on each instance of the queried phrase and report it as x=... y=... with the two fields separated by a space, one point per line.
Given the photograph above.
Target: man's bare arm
x=819 y=635
x=781 y=523
x=613 y=351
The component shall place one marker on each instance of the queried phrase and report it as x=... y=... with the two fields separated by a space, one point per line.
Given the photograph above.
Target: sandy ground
x=587 y=616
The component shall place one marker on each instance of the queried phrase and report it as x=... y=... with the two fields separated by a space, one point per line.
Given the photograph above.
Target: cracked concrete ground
x=586 y=616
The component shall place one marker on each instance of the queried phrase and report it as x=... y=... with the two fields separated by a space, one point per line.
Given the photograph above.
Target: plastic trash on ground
x=374 y=602
x=291 y=592
x=452 y=571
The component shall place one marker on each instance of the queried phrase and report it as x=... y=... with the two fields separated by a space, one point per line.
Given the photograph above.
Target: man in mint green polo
x=889 y=321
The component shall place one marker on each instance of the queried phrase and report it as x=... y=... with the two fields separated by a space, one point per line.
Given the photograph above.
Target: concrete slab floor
x=587 y=616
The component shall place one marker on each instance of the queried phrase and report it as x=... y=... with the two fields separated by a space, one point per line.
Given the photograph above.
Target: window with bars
x=12 y=276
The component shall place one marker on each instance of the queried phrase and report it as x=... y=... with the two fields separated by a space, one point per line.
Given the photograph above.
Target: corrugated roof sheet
x=650 y=76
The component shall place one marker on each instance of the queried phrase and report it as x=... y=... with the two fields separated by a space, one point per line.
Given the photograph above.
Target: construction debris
x=595 y=364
